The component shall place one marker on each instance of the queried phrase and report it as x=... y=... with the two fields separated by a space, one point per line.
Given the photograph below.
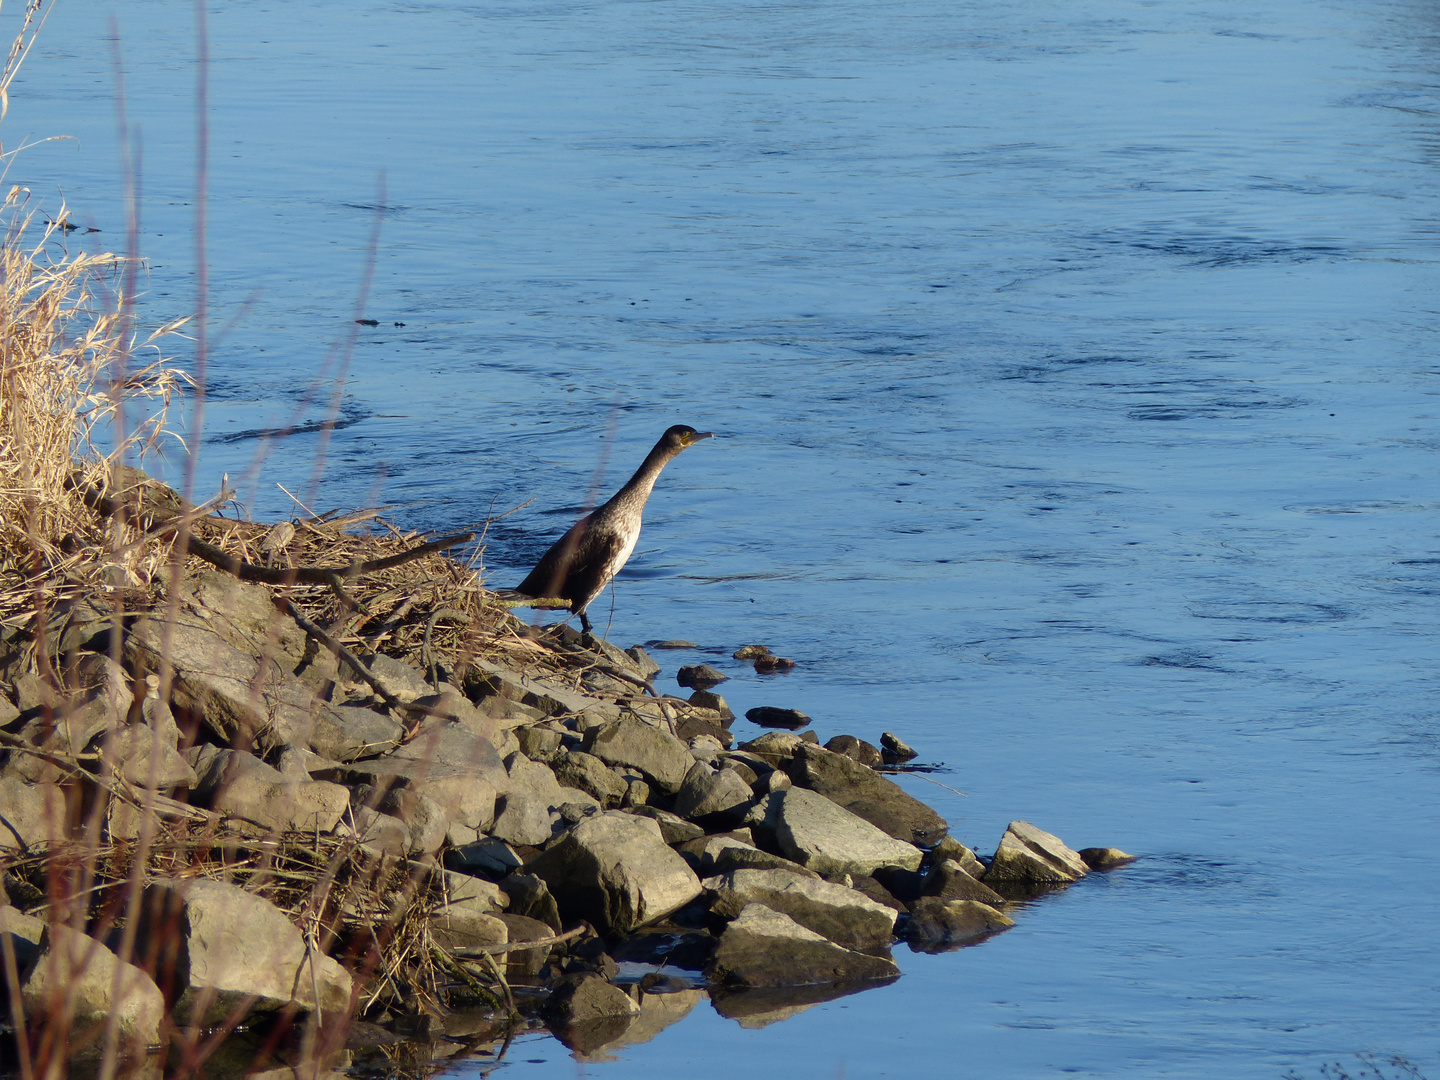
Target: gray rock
x=468 y=887
x=32 y=816
x=551 y=698
x=663 y=758
x=762 y=947
x=936 y=922
x=489 y=855
x=866 y=794
x=672 y=643
x=872 y=888
x=774 y=746
x=467 y=800
x=440 y=747
x=637 y=794
x=770 y=716
x=742 y=769
x=297 y=763
x=767 y=665
x=399 y=679
x=79 y=972
x=702 y=851
x=585 y=997
x=1105 y=858
x=242 y=698
x=526 y=962
x=25 y=933
x=775 y=781
x=812 y=830
x=530 y=896
x=706 y=699
x=577 y=769
x=647 y=667
x=739 y=857
x=145 y=754
x=8 y=712
x=1029 y=860
x=837 y=913
x=615 y=871
x=380 y=834
x=243 y=786
x=587 y=1014
x=855 y=749
x=750 y=652
x=704 y=748
x=673 y=828
x=540 y=742
x=467 y=923
x=895 y=751
x=534 y=779
x=950 y=848
x=348 y=732
x=243 y=614
x=702 y=724
x=950 y=881
x=427 y=823
x=225 y=948
x=523 y=819
x=700 y=676
x=710 y=793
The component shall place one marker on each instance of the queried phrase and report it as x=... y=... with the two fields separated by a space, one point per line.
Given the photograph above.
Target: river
x=1074 y=380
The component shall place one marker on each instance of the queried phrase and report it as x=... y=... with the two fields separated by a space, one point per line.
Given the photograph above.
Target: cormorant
x=581 y=563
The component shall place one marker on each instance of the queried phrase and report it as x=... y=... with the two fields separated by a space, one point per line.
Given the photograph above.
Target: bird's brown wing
x=555 y=566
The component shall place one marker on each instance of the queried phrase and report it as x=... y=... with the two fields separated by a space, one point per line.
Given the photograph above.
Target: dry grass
x=67 y=373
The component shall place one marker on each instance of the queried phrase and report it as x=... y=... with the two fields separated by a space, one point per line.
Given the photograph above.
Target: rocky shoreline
x=327 y=817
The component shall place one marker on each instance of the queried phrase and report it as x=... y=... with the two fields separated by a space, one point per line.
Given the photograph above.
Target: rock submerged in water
x=770 y=716
x=1105 y=858
x=700 y=677
x=936 y=922
x=895 y=751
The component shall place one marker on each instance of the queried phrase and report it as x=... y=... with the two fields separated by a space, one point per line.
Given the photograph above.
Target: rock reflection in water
x=758 y=1008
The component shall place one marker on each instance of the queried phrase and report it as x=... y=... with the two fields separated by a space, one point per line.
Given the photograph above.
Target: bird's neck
x=639 y=486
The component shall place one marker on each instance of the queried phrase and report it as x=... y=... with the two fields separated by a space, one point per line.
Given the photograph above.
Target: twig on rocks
x=317 y=575
x=343 y=654
x=518 y=946
x=427 y=658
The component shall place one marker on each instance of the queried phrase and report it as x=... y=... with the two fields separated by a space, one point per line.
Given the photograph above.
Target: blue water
x=1074 y=378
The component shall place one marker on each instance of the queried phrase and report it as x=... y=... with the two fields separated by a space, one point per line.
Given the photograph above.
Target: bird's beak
x=693 y=439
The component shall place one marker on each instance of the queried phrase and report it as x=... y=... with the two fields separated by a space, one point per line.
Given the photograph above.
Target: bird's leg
x=584 y=623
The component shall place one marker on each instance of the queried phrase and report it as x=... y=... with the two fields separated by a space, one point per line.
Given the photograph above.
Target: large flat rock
x=216 y=947
x=252 y=698
x=615 y=871
x=839 y=914
x=78 y=974
x=662 y=757
x=866 y=794
x=766 y=948
x=824 y=837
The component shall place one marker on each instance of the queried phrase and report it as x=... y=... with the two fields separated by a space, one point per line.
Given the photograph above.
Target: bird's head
x=682 y=435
